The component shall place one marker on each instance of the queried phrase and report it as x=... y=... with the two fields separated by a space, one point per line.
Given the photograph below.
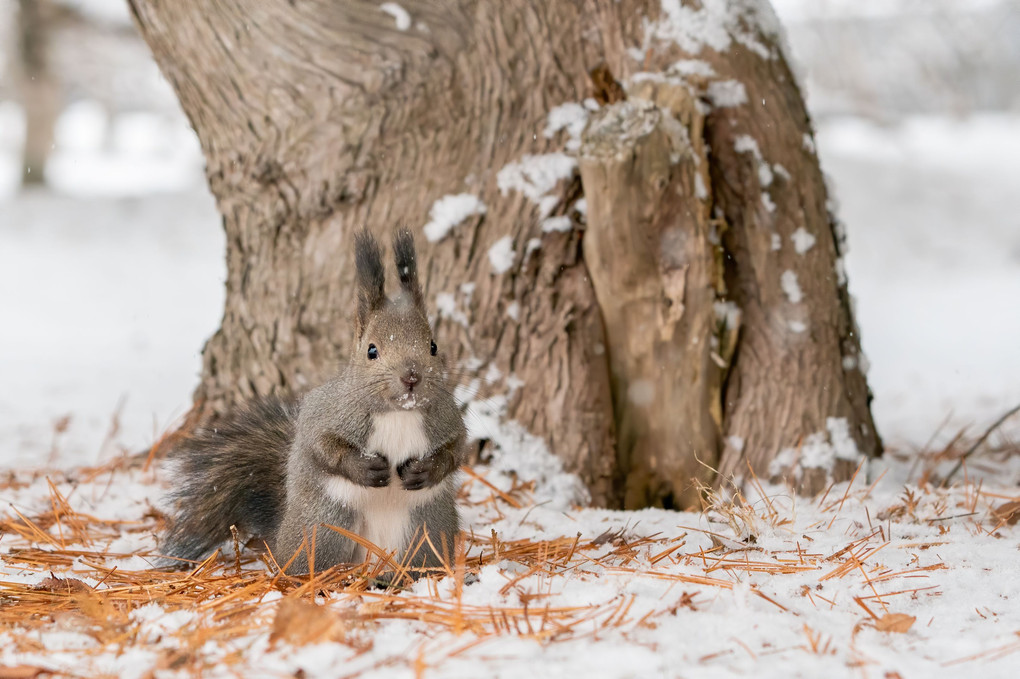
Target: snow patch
x=726 y=93
x=571 y=117
x=727 y=312
x=802 y=240
x=519 y=454
x=533 y=245
x=399 y=14
x=446 y=305
x=700 y=190
x=448 y=212
x=788 y=281
x=536 y=176
x=842 y=443
x=820 y=450
x=557 y=224
x=693 y=67
x=501 y=255
x=715 y=24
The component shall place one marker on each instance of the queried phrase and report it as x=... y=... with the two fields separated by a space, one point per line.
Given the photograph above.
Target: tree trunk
x=318 y=117
x=38 y=86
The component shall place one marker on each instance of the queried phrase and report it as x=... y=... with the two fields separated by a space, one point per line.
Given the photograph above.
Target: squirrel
x=374 y=451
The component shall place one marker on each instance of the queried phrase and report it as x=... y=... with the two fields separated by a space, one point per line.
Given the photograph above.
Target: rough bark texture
x=318 y=117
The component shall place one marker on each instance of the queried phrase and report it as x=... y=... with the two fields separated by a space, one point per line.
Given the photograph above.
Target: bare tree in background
x=694 y=319
x=37 y=84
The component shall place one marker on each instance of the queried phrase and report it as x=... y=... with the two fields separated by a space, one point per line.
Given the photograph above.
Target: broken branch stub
x=653 y=267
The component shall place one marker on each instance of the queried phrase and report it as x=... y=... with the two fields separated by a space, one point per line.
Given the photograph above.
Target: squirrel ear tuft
x=407 y=266
x=371 y=277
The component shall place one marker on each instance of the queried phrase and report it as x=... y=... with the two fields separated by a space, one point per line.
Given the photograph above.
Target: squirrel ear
x=371 y=277
x=407 y=266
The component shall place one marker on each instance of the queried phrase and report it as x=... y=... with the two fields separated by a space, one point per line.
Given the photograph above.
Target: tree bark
x=654 y=271
x=318 y=117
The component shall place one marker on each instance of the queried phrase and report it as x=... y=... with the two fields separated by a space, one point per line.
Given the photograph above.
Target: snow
x=571 y=117
x=513 y=310
x=502 y=255
x=809 y=144
x=520 y=455
x=788 y=282
x=693 y=29
x=448 y=212
x=536 y=176
x=726 y=93
x=557 y=224
x=134 y=287
x=693 y=67
x=727 y=313
x=802 y=240
x=399 y=14
x=744 y=143
x=819 y=450
x=446 y=306
x=779 y=586
x=800 y=10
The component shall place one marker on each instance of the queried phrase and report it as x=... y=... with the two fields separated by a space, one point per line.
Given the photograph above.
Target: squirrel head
x=396 y=357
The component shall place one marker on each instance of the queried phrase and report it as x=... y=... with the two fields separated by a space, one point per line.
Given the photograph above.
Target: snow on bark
x=399 y=14
x=448 y=212
x=501 y=255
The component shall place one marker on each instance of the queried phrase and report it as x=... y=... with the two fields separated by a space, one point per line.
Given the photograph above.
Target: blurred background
x=111 y=251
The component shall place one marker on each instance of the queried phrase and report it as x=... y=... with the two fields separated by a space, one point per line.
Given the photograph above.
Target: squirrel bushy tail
x=231 y=473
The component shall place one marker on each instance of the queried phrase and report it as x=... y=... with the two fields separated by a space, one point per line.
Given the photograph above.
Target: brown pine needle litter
x=854 y=582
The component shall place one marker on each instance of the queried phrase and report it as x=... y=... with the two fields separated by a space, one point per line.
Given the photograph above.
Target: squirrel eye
x=373 y=353
x=433 y=349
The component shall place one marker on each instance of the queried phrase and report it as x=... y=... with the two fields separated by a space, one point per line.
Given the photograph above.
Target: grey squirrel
x=374 y=451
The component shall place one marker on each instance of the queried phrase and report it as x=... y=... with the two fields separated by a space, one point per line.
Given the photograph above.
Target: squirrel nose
x=410 y=378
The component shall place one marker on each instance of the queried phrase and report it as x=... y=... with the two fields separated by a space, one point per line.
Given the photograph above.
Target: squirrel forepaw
x=415 y=474
x=372 y=470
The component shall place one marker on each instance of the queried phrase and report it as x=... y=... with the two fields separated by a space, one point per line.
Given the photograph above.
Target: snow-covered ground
x=872 y=581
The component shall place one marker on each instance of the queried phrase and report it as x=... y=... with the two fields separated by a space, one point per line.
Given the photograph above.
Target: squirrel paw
x=370 y=470
x=415 y=474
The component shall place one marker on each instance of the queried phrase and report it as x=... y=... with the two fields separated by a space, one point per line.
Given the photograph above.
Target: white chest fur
x=399 y=435
x=385 y=513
